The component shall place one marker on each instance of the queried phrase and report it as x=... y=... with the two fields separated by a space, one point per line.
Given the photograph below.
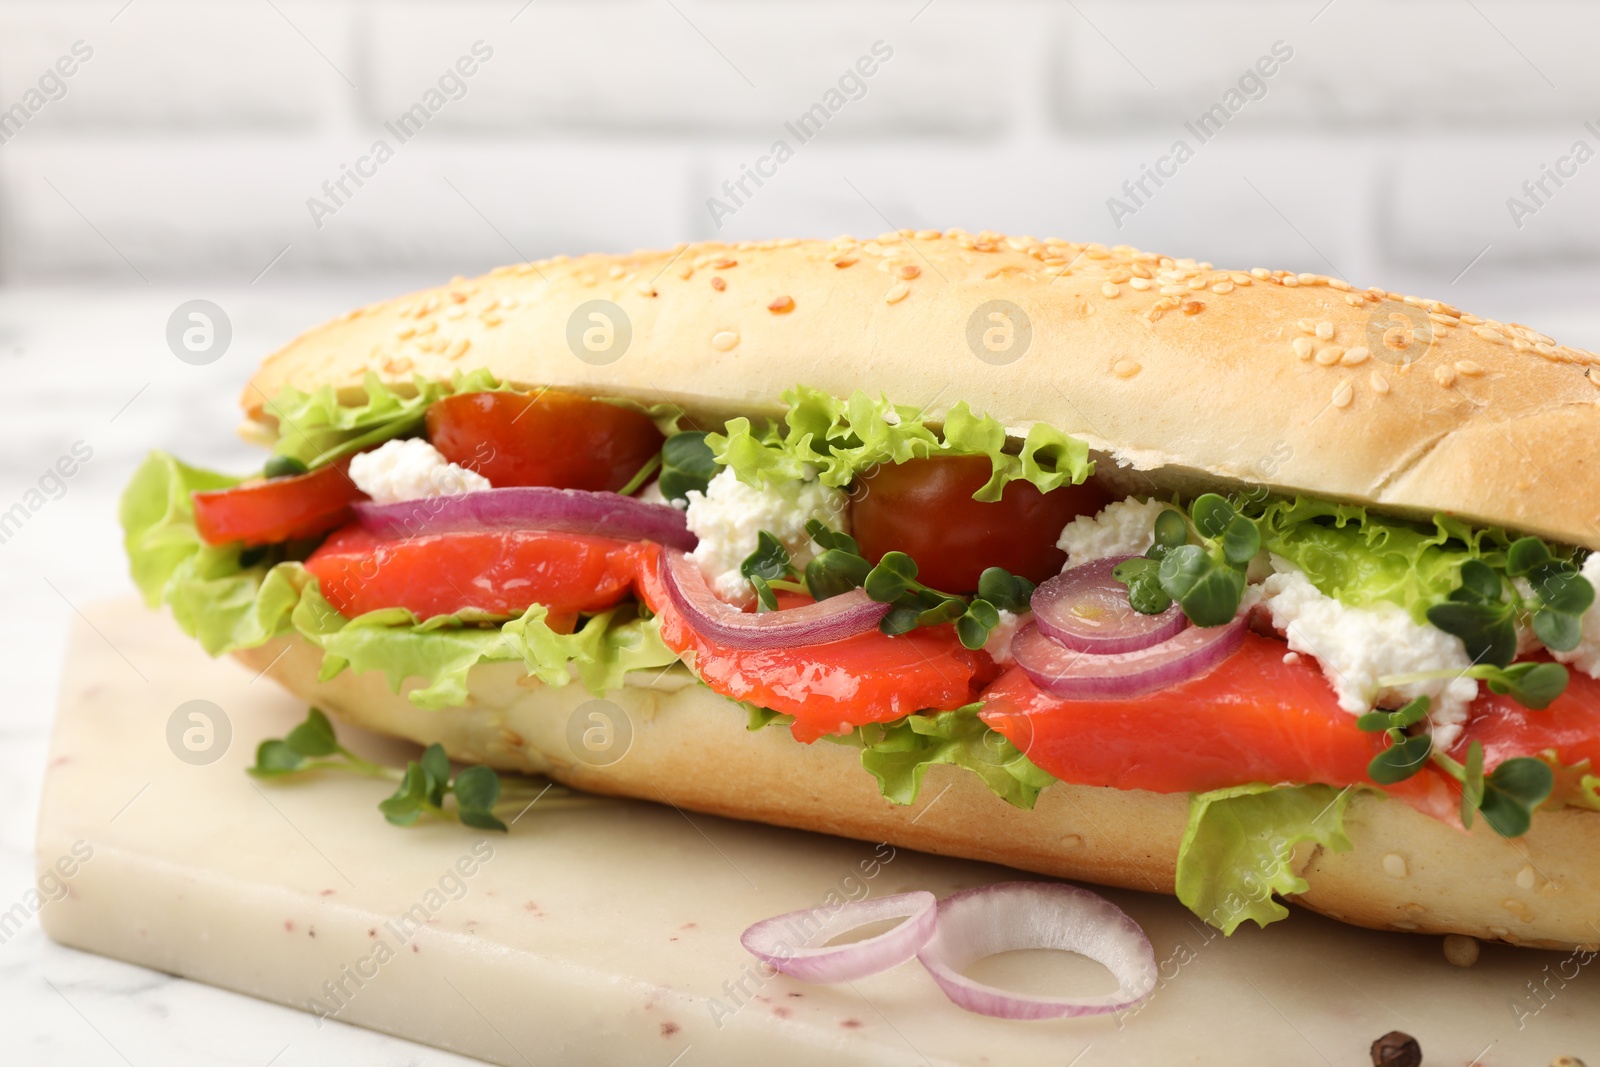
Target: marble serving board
x=604 y=931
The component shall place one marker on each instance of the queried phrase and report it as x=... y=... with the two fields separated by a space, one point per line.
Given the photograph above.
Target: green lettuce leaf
x=898 y=754
x=838 y=439
x=1361 y=559
x=1237 y=848
x=227 y=604
x=316 y=429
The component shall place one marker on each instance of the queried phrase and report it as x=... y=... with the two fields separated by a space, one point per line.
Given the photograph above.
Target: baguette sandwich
x=1238 y=585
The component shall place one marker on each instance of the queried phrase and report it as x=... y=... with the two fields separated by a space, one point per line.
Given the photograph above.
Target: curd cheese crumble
x=1125 y=528
x=411 y=469
x=730 y=515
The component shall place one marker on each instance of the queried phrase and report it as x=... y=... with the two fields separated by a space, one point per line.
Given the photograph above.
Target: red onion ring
x=532 y=507
x=1075 y=675
x=828 y=620
x=1086 y=609
x=980 y=922
x=797 y=943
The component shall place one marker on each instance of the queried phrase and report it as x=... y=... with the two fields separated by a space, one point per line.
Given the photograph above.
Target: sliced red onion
x=1078 y=675
x=828 y=620
x=1085 y=608
x=1008 y=916
x=797 y=943
x=532 y=507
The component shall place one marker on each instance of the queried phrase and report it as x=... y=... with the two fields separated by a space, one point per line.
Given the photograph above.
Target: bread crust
x=1192 y=376
x=690 y=747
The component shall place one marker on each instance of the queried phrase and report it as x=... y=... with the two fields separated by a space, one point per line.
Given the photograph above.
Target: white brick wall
x=1384 y=149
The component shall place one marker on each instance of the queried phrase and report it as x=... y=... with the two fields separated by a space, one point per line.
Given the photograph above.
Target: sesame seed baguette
x=690 y=747
x=1181 y=375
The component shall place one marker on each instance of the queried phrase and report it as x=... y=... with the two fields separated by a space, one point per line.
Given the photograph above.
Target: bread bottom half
x=678 y=742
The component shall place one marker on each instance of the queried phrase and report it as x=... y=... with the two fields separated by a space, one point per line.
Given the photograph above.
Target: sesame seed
x=1306 y=326
x=490 y=320
x=845 y=261
x=1324 y=331
x=1354 y=357
x=724 y=264
x=724 y=340
x=1197 y=282
x=1222 y=288
x=1290 y=281
x=1471 y=320
x=1139 y=270
x=897 y=292
x=1308 y=279
x=403 y=332
x=987 y=246
x=457 y=312
x=782 y=305
x=1443 y=320
x=1394 y=865
x=1302 y=347
x=1119 y=276
x=1327 y=357
x=1339 y=284
x=1058 y=272
x=1525 y=878
x=1239 y=277
x=1488 y=334
x=1260 y=273
x=909 y=271
x=1343 y=393
x=1097 y=252
x=1174 y=290
x=1193 y=307
x=1355 y=301
x=928 y=235
x=1111 y=292
x=790 y=242
x=1141 y=284
x=1380 y=384
x=1519 y=345
x=614 y=273
x=718 y=284
x=1125 y=368
x=1445 y=376
x=459 y=347
x=644 y=288
x=1468 y=368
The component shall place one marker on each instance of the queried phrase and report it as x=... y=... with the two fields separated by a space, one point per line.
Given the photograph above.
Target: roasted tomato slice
x=1253 y=718
x=924 y=508
x=544 y=438
x=831 y=688
x=501 y=572
x=280 y=509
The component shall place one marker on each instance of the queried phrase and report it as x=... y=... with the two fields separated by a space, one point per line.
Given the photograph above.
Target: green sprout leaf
x=770 y=560
x=283 y=467
x=1212 y=515
x=893 y=577
x=314 y=737
x=1171 y=531
x=276 y=758
x=1404 y=757
x=835 y=571
x=1398 y=719
x=1558 y=630
x=1533 y=685
x=1525 y=556
x=1513 y=791
x=1209 y=590
x=1005 y=590
x=1559 y=587
x=421 y=788
x=686 y=463
x=1479 y=584
x=1488 y=631
x=1241 y=541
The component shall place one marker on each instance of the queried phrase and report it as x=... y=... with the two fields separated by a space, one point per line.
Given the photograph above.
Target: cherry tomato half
x=924 y=508
x=279 y=509
x=544 y=438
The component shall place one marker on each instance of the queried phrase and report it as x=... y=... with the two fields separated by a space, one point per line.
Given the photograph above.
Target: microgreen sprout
x=839 y=567
x=686 y=463
x=1206 y=579
x=423 y=785
x=1483 y=611
x=1507 y=796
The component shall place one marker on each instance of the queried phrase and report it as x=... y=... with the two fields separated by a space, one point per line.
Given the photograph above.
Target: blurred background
x=286 y=160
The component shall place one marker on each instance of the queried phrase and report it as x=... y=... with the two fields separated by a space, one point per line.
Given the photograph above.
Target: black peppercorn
x=1396 y=1049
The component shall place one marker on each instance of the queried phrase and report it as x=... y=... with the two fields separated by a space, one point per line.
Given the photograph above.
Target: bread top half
x=1178 y=374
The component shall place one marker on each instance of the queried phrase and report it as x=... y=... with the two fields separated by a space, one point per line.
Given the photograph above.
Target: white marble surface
x=71 y=360
x=92 y=365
